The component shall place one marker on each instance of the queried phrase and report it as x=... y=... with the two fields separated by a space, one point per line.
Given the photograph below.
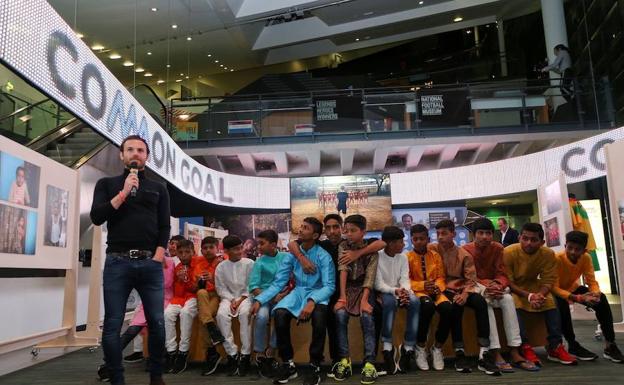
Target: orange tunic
x=434 y=268
x=569 y=274
x=203 y=266
x=184 y=288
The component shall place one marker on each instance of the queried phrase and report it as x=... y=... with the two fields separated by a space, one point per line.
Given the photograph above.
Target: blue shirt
x=318 y=286
x=264 y=271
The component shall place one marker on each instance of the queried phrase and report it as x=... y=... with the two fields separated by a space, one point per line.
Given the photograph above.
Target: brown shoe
x=157 y=381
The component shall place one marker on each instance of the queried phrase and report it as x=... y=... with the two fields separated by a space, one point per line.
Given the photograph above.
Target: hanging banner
x=442 y=108
x=338 y=113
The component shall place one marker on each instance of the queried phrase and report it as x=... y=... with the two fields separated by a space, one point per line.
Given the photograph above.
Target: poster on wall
x=443 y=107
x=552 y=233
x=195 y=233
x=338 y=113
x=554 y=211
x=19 y=181
x=57 y=205
x=404 y=218
x=18 y=230
x=367 y=195
x=552 y=193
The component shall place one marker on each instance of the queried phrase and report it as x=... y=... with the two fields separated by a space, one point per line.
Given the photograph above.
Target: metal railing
x=428 y=110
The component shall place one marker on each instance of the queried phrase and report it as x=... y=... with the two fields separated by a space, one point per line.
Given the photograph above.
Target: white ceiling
x=235 y=32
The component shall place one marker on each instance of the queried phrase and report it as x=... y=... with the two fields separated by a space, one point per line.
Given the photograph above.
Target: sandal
x=504 y=367
x=526 y=365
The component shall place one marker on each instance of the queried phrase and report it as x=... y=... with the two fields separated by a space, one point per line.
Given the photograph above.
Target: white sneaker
x=438 y=358
x=421 y=358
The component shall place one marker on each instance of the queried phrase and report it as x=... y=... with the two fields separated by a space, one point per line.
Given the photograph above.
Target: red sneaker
x=559 y=354
x=529 y=354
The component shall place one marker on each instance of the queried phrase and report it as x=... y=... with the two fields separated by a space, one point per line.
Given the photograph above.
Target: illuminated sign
x=39 y=45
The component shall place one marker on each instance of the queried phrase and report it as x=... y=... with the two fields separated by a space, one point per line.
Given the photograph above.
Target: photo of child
x=18 y=230
x=56 y=217
x=19 y=181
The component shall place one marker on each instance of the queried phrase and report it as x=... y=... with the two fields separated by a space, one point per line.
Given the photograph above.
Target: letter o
x=197 y=188
x=593 y=155
x=90 y=71
x=565 y=160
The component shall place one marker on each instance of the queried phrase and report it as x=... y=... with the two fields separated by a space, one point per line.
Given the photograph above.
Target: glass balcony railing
x=446 y=110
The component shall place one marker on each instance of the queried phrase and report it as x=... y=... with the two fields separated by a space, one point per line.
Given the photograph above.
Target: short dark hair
x=269 y=235
x=445 y=224
x=419 y=228
x=176 y=238
x=335 y=217
x=317 y=226
x=134 y=137
x=391 y=233
x=20 y=168
x=231 y=241
x=406 y=215
x=209 y=241
x=502 y=219
x=482 y=224
x=577 y=237
x=357 y=220
x=186 y=244
x=532 y=227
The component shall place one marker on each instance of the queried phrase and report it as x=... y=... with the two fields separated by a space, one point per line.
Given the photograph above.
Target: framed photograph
x=55 y=233
x=19 y=181
x=18 y=230
x=552 y=233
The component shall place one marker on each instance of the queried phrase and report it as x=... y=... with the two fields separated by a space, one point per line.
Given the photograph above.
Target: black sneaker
x=212 y=362
x=381 y=369
x=244 y=363
x=406 y=360
x=390 y=364
x=286 y=372
x=180 y=362
x=613 y=353
x=487 y=364
x=314 y=376
x=232 y=365
x=170 y=362
x=580 y=352
x=104 y=373
x=266 y=366
x=462 y=364
x=214 y=333
x=134 y=357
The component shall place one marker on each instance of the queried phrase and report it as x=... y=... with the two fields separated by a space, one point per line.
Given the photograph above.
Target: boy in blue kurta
x=262 y=276
x=307 y=301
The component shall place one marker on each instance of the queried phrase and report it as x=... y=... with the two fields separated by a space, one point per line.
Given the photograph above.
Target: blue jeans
x=261 y=325
x=553 y=327
x=368 y=331
x=390 y=305
x=120 y=276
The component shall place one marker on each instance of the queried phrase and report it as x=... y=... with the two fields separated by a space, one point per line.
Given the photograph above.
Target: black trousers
x=283 y=320
x=478 y=304
x=603 y=314
x=332 y=339
x=427 y=310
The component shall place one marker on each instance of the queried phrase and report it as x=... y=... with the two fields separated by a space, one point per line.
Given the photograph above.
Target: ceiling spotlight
x=225 y=68
x=178 y=80
x=189 y=38
x=181 y=74
x=220 y=65
x=80 y=36
x=128 y=63
x=458 y=19
x=149 y=53
x=186 y=77
x=160 y=81
x=154 y=9
x=357 y=39
x=174 y=26
x=216 y=61
x=97 y=47
x=147 y=74
x=421 y=2
x=139 y=69
x=209 y=55
x=114 y=56
x=231 y=70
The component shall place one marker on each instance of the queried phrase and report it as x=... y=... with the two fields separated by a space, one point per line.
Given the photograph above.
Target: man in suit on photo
x=505 y=234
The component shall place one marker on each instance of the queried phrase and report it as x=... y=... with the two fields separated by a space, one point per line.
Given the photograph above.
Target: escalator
x=47 y=128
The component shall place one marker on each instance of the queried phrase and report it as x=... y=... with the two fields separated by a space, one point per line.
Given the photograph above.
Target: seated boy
x=494 y=285
x=307 y=301
x=184 y=305
x=461 y=290
x=262 y=276
x=573 y=263
x=231 y=282
x=532 y=272
x=427 y=280
x=393 y=285
x=208 y=300
x=357 y=280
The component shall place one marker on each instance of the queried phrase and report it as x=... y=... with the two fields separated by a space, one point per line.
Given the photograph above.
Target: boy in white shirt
x=393 y=285
x=231 y=281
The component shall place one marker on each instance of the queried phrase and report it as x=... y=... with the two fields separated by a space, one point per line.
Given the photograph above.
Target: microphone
x=133 y=170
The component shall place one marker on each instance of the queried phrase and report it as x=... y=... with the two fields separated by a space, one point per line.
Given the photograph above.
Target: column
x=502 y=51
x=555 y=31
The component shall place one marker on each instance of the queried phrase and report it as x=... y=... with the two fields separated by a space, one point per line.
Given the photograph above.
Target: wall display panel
x=368 y=195
x=36 y=43
x=578 y=161
x=36 y=233
x=594 y=212
x=554 y=209
x=405 y=218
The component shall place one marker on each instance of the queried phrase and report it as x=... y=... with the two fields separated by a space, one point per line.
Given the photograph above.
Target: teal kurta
x=264 y=271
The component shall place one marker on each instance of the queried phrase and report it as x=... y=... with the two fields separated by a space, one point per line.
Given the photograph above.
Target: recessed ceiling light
x=189 y=38
x=114 y=56
x=147 y=74
x=80 y=36
x=186 y=77
x=160 y=81
x=181 y=73
x=458 y=19
x=216 y=61
x=128 y=63
x=220 y=65
x=225 y=68
x=154 y=9
x=468 y=31
x=97 y=47
x=149 y=53
x=168 y=65
x=421 y=2
x=209 y=55
x=139 y=69
x=174 y=26
x=232 y=70
x=178 y=80
x=357 y=39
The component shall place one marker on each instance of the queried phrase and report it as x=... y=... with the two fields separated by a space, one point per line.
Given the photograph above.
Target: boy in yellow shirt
x=573 y=263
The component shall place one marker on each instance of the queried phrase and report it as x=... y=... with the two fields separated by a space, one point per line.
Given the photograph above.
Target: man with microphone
x=136 y=210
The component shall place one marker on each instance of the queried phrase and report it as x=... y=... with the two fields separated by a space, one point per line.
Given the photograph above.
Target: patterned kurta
x=459 y=268
x=361 y=275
